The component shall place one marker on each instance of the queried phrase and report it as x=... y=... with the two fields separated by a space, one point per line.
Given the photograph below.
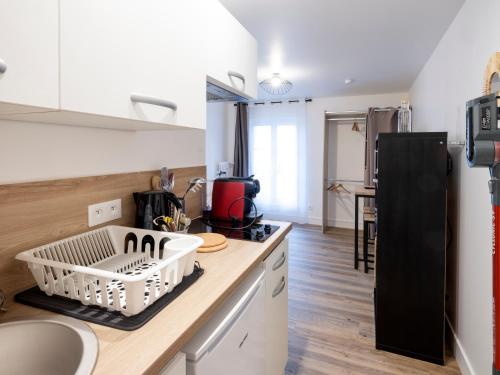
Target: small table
x=359 y=192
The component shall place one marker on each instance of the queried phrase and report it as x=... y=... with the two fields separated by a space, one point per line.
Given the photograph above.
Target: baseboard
x=336 y=223
x=291 y=218
x=342 y=223
x=314 y=220
x=459 y=353
x=407 y=353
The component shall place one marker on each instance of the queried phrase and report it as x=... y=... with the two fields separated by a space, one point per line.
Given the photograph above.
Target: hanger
x=338 y=188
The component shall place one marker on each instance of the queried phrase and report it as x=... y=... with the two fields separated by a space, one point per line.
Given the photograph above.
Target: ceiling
x=381 y=44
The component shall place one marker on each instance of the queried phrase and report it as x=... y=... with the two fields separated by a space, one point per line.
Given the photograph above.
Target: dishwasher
x=233 y=341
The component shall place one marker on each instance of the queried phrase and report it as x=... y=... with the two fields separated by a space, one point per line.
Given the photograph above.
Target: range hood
x=220 y=92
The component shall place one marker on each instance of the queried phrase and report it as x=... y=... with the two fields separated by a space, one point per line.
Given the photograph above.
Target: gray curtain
x=241 y=141
x=381 y=121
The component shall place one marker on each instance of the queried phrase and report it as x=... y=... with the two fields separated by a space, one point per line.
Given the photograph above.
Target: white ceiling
x=317 y=44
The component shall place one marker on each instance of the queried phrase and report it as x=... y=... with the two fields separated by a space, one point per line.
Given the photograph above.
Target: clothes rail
x=344 y=181
x=346 y=113
x=347 y=119
x=307 y=100
x=387 y=109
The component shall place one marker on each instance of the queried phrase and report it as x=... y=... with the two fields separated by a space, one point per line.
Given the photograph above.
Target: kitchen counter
x=148 y=349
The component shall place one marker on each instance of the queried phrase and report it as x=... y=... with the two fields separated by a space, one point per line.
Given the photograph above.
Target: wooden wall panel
x=36 y=213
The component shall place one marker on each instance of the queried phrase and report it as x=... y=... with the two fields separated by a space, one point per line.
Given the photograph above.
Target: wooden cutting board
x=212 y=242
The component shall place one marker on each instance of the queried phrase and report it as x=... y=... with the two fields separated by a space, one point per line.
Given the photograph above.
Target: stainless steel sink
x=47 y=346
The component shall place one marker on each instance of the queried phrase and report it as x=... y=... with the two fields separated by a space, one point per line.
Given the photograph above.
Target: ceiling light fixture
x=276 y=85
x=348 y=81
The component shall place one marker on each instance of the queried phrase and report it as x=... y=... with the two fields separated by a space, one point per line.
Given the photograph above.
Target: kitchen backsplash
x=36 y=213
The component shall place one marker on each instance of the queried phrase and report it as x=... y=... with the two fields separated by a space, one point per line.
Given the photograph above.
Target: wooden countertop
x=147 y=349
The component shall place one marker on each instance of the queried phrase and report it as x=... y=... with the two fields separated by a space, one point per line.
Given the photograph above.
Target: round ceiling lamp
x=276 y=85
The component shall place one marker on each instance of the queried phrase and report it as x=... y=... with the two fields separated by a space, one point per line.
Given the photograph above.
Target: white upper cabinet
x=135 y=60
x=120 y=64
x=231 y=50
x=28 y=55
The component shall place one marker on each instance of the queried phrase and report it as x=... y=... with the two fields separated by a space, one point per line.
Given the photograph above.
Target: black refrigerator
x=411 y=177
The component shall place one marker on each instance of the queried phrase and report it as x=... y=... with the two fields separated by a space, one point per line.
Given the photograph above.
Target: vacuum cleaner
x=483 y=150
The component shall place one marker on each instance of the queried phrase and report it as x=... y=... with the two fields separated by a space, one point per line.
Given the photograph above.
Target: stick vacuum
x=483 y=150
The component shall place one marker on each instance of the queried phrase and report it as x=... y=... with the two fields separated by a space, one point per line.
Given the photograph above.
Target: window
x=277 y=159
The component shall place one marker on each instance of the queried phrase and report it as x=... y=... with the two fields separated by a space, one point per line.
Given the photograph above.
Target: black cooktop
x=255 y=232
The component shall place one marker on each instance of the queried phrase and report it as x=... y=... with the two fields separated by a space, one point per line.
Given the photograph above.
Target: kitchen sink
x=47 y=346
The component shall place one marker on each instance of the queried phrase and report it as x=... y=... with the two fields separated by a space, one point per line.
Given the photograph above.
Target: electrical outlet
x=103 y=212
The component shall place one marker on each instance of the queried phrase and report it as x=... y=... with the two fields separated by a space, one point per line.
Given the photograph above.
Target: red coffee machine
x=232 y=199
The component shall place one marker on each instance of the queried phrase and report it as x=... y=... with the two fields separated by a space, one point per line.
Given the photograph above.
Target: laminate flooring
x=331 y=320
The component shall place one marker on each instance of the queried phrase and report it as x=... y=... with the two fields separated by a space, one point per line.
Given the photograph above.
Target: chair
x=368 y=218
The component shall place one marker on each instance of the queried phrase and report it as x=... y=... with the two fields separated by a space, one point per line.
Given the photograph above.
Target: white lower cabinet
x=276 y=268
x=233 y=341
x=249 y=333
x=176 y=366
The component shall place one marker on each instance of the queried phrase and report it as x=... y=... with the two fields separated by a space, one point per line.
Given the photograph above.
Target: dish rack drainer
x=118 y=268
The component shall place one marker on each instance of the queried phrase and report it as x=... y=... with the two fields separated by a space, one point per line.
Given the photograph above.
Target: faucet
x=2 y=301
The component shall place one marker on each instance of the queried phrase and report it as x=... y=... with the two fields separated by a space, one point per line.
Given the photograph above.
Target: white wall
x=346 y=160
x=341 y=210
x=216 y=137
x=31 y=151
x=230 y=131
x=454 y=74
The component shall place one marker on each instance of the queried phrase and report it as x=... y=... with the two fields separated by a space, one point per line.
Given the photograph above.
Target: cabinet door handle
x=140 y=98
x=3 y=66
x=234 y=74
x=280 y=287
x=279 y=262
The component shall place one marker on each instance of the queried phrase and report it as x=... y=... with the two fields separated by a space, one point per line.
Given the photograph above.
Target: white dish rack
x=118 y=268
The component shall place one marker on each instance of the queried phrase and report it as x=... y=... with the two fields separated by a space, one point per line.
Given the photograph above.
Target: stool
x=370 y=210
x=368 y=218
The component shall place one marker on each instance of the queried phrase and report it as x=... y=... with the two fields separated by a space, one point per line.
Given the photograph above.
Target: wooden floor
x=331 y=326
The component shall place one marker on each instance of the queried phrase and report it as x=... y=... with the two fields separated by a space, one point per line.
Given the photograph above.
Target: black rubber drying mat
x=98 y=315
